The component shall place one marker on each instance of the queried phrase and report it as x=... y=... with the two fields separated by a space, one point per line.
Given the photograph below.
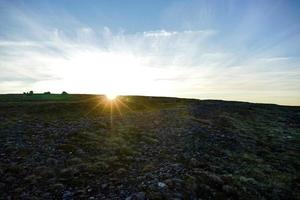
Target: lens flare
x=111 y=97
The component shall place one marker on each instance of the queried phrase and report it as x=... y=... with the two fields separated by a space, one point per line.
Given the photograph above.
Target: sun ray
x=111 y=115
x=96 y=106
x=117 y=107
x=123 y=104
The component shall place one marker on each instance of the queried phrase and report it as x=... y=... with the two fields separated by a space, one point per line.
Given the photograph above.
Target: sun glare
x=107 y=73
x=111 y=97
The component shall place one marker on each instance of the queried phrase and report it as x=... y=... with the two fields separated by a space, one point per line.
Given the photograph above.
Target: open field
x=135 y=147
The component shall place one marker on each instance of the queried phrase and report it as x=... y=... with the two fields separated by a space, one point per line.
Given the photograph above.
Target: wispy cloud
x=275 y=59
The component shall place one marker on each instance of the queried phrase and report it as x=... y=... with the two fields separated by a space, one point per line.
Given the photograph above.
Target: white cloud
x=275 y=59
x=160 y=33
x=7 y=43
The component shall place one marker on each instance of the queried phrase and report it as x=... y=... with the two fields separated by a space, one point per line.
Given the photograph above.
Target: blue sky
x=233 y=50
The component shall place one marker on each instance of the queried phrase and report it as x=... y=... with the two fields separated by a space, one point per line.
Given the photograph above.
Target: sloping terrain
x=86 y=147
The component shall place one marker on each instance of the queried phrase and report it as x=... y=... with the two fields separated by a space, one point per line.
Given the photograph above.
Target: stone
x=32 y=179
x=67 y=194
x=46 y=195
x=47 y=173
x=52 y=161
x=79 y=152
x=137 y=196
x=121 y=171
x=104 y=186
x=228 y=190
x=177 y=182
x=210 y=178
x=177 y=196
x=68 y=172
x=58 y=187
x=194 y=162
x=10 y=179
x=74 y=161
x=216 y=179
x=169 y=183
x=161 y=185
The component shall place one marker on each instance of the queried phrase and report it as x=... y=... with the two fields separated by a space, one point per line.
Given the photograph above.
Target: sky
x=232 y=49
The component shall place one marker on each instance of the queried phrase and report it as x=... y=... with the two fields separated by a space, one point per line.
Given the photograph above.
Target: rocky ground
x=147 y=148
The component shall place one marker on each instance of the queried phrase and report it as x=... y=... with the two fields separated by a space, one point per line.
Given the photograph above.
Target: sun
x=111 y=97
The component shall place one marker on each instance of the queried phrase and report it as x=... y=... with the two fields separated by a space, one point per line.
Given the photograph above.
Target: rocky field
x=87 y=147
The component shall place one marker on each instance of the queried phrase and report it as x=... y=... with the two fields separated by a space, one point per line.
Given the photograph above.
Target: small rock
x=177 y=196
x=18 y=190
x=216 y=179
x=79 y=192
x=121 y=171
x=32 y=179
x=178 y=182
x=227 y=178
x=194 y=162
x=10 y=179
x=67 y=195
x=74 y=161
x=137 y=196
x=58 y=187
x=79 y=152
x=47 y=195
x=205 y=189
x=104 y=186
x=169 y=183
x=228 y=190
x=161 y=185
x=154 y=195
x=210 y=178
x=68 y=172
x=52 y=161
x=46 y=173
